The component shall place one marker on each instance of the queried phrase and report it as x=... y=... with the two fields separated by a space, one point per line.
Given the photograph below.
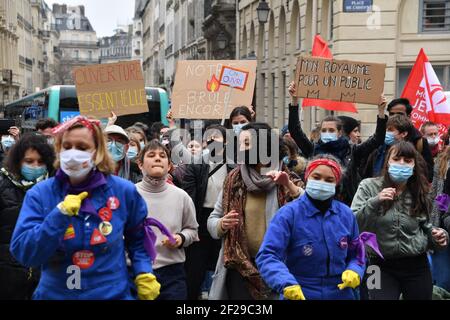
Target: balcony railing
x=78 y=44
x=79 y=60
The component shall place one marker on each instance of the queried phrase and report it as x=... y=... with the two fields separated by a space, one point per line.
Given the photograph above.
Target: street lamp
x=263 y=11
x=221 y=41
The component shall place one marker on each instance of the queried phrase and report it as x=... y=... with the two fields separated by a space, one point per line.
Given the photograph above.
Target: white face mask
x=72 y=162
x=433 y=141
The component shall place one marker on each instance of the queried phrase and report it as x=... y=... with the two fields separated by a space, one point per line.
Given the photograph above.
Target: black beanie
x=349 y=124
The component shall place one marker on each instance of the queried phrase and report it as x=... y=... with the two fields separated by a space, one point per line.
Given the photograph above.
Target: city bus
x=61 y=104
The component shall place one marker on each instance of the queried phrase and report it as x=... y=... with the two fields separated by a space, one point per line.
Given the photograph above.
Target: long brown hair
x=417 y=184
x=442 y=162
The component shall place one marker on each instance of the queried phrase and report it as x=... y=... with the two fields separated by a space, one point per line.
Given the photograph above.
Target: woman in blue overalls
x=309 y=250
x=74 y=225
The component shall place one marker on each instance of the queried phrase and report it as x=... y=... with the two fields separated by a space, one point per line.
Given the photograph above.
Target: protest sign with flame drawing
x=211 y=89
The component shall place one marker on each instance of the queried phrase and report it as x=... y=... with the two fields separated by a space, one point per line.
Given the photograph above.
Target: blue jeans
x=441 y=268
x=173 y=282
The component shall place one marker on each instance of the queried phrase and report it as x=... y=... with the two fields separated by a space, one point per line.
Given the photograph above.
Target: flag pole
x=225 y=109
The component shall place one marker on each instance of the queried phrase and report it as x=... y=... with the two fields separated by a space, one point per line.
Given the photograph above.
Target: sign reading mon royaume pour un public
x=117 y=87
x=340 y=80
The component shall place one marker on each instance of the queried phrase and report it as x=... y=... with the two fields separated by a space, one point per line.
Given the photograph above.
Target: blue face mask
x=132 y=153
x=237 y=128
x=328 y=137
x=7 y=142
x=389 y=139
x=320 y=190
x=116 y=149
x=30 y=173
x=400 y=172
x=142 y=143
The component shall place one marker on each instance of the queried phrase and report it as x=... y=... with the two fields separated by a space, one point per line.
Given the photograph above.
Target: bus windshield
x=61 y=104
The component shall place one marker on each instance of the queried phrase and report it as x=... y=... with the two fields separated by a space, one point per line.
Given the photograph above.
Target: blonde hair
x=136 y=130
x=103 y=161
x=442 y=162
x=133 y=137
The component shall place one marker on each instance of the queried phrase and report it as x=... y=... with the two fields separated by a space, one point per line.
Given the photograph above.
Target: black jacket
x=358 y=158
x=195 y=183
x=19 y=282
x=358 y=152
x=11 y=198
x=369 y=167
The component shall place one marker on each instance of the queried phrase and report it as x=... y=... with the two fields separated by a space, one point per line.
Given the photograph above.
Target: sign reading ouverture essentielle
x=117 y=87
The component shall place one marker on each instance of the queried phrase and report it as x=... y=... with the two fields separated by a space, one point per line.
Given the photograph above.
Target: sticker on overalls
x=84 y=259
x=307 y=250
x=343 y=243
x=105 y=228
x=70 y=233
x=113 y=203
x=97 y=238
x=105 y=214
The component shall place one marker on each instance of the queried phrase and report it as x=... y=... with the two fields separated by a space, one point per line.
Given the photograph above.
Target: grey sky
x=104 y=15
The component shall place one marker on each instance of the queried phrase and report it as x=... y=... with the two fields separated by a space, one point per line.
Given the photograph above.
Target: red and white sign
x=97 y=238
x=84 y=259
x=426 y=95
x=234 y=78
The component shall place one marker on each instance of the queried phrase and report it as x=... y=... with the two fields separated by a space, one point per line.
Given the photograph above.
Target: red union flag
x=426 y=95
x=320 y=49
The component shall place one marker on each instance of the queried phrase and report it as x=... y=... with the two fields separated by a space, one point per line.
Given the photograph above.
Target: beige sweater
x=175 y=209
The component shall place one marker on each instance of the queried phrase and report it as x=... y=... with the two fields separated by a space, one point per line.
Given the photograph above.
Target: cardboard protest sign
x=234 y=78
x=211 y=89
x=117 y=87
x=340 y=80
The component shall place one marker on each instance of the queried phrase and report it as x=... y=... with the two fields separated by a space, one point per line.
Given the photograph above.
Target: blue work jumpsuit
x=303 y=246
x=38 y=240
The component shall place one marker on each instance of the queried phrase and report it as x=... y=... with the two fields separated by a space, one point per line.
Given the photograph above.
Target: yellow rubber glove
x=293 y=293
x=147 y=286
x=350 y=279
x=72 y=203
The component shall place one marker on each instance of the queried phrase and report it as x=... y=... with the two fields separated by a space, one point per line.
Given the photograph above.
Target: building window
x=273 y=98
x=282 y=34
x=435 y=15
x=299 y=32
x=76 y=54
x=283 y=88
x=90 y=55
x=442 y=72
x=331 y=19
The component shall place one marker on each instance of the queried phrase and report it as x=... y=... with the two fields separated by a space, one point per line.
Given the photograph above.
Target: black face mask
x=217 y=149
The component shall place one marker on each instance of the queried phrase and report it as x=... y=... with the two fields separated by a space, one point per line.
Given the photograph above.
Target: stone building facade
x=78 y=41
x=117 y=47
x=391 y=32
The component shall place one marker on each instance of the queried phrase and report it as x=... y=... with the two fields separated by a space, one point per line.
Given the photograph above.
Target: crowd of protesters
x=241 y=211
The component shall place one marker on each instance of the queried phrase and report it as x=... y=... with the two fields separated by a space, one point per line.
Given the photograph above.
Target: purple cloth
x=93 y=181
x=150 y=236
x=442 y=202
x=365 y=238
